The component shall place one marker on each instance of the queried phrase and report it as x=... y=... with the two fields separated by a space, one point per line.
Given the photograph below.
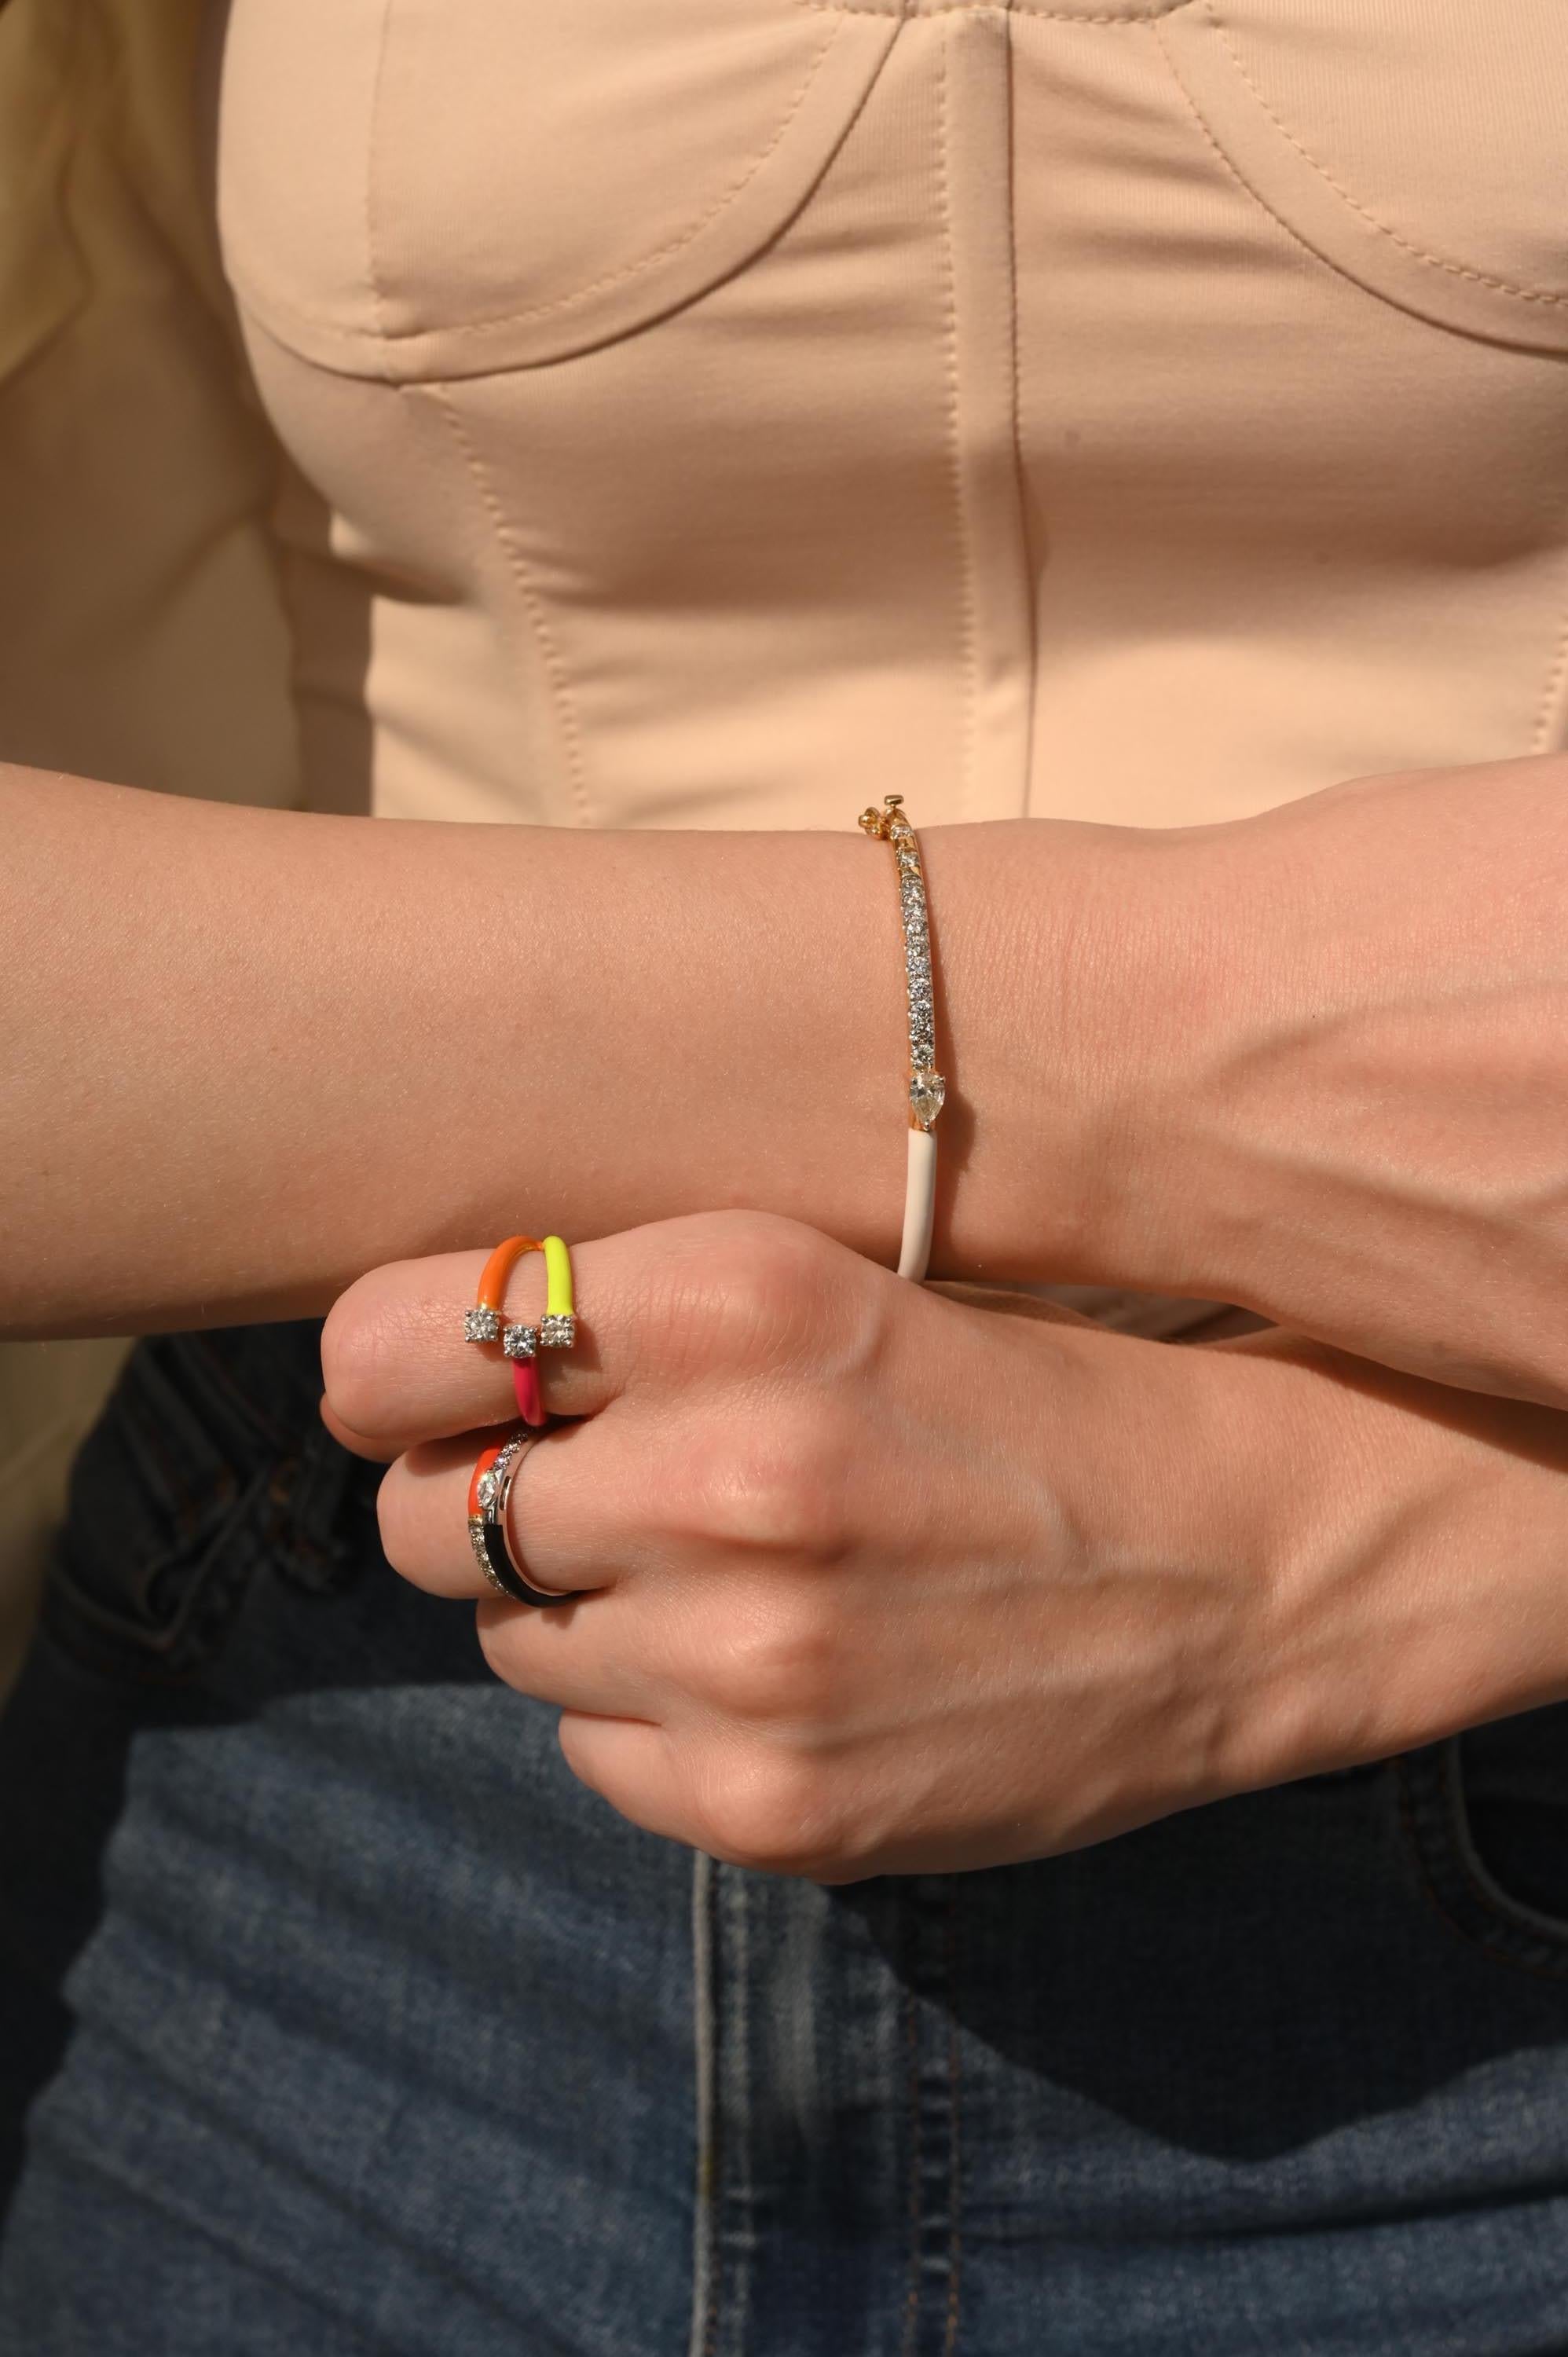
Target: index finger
x=398 y=1369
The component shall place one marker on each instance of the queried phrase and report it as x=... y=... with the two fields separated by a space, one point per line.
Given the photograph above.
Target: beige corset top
x=713 y=412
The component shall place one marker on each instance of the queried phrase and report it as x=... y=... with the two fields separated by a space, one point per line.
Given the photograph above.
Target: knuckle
x=756 y=1293
x=782 y=1666
x=779 y=1815
x=780 y=1481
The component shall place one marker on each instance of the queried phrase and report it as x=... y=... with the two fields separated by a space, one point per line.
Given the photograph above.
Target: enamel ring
x=488 y=1321
x=489 y=1493
x=485 y=1321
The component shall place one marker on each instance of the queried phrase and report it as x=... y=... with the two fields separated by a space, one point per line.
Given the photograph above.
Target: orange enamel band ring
x=490 y=1489
x=483 y=1322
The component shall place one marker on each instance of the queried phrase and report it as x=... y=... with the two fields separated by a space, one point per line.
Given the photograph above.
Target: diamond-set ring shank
x=488 y=1531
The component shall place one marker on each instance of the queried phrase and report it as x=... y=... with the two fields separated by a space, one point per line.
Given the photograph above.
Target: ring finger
x=561 y=1539
x=610 y=1663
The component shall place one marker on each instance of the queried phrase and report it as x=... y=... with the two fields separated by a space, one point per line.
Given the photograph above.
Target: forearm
x=248 y=1054
x=1350 y=1110
x=1312 y=1063
x=1402 y=1542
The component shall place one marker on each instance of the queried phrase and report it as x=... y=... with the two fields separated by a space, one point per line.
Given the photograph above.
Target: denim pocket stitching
x=1453 y=1876
x=145 y=1439
x=164 y=1516
x=312 y=1494
x=218 y=1375
x=186 y=1465
x=118 y=1644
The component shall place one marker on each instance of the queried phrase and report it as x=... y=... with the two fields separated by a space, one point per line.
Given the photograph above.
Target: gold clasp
x=876 y=821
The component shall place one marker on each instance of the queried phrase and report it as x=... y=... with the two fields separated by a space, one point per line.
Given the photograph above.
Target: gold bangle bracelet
x=926 y=1089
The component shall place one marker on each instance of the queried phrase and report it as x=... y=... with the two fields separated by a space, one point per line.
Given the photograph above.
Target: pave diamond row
x=492 y=1485
x=916 y=943
x=481 y=1557
x=927 y=1088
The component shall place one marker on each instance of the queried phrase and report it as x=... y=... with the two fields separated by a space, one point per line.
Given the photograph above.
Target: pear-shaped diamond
x=928 y=1094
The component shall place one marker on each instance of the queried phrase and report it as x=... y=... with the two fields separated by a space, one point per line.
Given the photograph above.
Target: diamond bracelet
x=926 y=1088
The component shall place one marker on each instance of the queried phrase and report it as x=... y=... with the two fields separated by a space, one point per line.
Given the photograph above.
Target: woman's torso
x=717 y=410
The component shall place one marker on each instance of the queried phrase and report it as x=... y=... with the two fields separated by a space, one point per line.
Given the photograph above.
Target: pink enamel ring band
x=556 y=1330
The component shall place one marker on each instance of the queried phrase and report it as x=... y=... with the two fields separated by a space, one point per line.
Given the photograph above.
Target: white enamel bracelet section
x=919 y=1204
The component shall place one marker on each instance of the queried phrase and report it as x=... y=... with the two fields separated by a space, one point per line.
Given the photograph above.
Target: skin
x=247 y=1054
x=1310 y=1063
x=864 y=1577
x=1363 y=1134
x=1313 y=1063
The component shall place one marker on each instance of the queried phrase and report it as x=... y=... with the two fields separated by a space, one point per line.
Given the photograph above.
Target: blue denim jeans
x=338 y=2017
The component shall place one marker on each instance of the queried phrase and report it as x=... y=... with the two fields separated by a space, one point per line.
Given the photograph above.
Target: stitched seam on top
x=1540 y=735
x=372 y=272
x=1020 y=471
x=968 y=616
x=648 y=261
x=533 y=604
x=1552 y=692
x=1434 y=260
x=1131 y=15
x=1229 y=164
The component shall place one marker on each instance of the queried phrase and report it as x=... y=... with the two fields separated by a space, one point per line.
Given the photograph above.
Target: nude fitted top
x=713 y=412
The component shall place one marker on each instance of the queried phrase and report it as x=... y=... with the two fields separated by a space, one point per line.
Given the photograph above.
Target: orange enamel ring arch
x=557 y=1329
x=493 y=1276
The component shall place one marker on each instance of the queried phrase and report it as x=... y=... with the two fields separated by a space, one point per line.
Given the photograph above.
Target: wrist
x=1077 y=994
x=1157 y=1474
x=1335 y=1563
x=1412 y=1544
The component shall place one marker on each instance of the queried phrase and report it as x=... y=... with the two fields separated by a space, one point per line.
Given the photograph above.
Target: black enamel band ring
x=489 y=1497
